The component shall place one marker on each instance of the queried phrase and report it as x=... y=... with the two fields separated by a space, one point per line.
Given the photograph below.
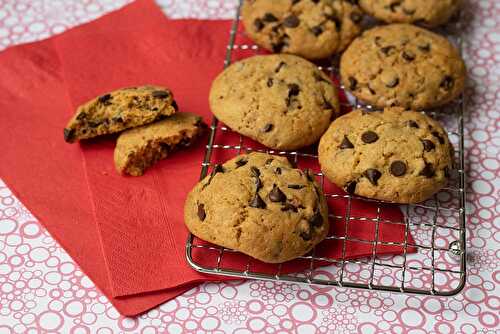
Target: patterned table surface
x=42 y=290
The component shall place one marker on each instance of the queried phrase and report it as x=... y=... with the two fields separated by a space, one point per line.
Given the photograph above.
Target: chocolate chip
x=296 y=186
x=428 y=170
x=353 y=83
x=346 y=144
x=335 y=19
x=293 y=90
x=424 y=47
x=258 y=24
x=428 y=145
x=398 y=168
x=257 y=202
x=317 y=30
x=276 y=195
x=350 y=187
x=258 y=183
x=356 y=17
x=201 y=212
x=394 y=5
x=317 y=219
x=69 y=135
x=369 y=137
x=393 y=83
x=161 y=94
x=306 y=235
x=291 y=21
x=378 y=41
x=289 y=207
x=386 y=49
x=408 y=56
x=218 y=169
x=269 y=17
x=175 y=106
x=447 y=83
x=268 y=161
x=254 y=171
x=280 y=65
x=278 y=170
x=278 y=47
x=105 y=99
x=270 y=82
x=438 y=136
x=372 y=175
x=81 y=116
x=268 y=127
x=413 y=124
x=241 y=163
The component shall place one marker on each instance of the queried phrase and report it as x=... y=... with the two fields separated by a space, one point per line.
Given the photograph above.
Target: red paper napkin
x=126 y=233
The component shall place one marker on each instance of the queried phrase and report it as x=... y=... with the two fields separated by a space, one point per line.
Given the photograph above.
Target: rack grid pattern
x=434 y=264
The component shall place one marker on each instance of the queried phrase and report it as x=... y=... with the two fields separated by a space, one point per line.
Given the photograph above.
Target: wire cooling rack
x=434 y=264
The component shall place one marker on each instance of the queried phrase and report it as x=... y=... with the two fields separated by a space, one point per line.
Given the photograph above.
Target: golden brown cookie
x=394 y=155
x=312 y=29
x=430 y=13
x=403 y=65
x=259 y=205
x=139 y=148
x=119 y=110
x=281 y=101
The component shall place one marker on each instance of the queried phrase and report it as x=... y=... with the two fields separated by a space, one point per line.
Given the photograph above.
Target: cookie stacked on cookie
x=147 y=119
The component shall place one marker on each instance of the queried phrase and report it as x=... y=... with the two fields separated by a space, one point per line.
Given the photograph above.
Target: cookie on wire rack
x=430 y=13
x=282 y=101
x=391 y=155
x=403 y=65
x=312 y=29
x=259 y=205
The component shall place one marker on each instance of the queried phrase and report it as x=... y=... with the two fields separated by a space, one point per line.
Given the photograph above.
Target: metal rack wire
x=438 y=265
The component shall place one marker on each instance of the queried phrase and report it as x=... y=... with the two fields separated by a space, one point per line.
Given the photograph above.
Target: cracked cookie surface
x=139 y=148
x=425 y=12
x=392 y=155
x=120 y=110
x=259 y=205
x=281 y=101
x=403 y=65
x=312 y=29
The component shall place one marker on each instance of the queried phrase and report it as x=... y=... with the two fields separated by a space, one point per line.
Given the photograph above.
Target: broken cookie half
x=138 y=149
x=120 y=110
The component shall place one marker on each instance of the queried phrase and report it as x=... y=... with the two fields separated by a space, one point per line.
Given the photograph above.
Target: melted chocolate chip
x=161 y=94
x=413 y=124
x=268 y=127
x=408 y=56
x=317 y=30
x=241 y=162
x=258 y=183
x=350 y=187
x=289 y=207
x=372 y=175
x=393 y=83
x=268 y=161
x=270 y=82
x=280 y=65
x=428 y=170
x=278 y=47
x=291 y=21
x=386 y=49
x=254 y=171
x=447 y=83
x=438 y=136
x=353 y=83
x=69 y=135
x=276 y=195
x=369 y=137
x=425 y=47
x=278 y=170
x=105 y=99
x=201 y=212
x=346 y=144
x=296 y=186
x=398 y=168
x=306 y=235
x=258 y=24
x=317 y=219
x=428 y=145
x=257 y=202
x=269 y=17
x=293 y=90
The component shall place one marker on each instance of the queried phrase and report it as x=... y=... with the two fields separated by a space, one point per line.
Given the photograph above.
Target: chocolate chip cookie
x=403 y=65
x=312 y=29
x=139 y=148
x=119 y=110
x=392 y=155
x=281 y=101
x=259 y=205
x=428 y=13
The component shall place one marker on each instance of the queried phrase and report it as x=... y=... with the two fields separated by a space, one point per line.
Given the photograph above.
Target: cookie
x=139 y=148
x=259 y=205
x=281 y=101
x=411 y=11
x=403 y=65
x=119 y=110
x=392 y=155
x=312 y=29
